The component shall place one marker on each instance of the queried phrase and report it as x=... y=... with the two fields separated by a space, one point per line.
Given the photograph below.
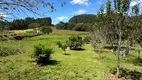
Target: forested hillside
x=84 y=18
x=79 y=23
x=20 y=24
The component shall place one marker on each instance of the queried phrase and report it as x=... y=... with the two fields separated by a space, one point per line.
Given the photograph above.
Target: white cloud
x=135 y=2
x=99 y=1
x=62 y=18
x=80 y=12
x=83 y=2
x=2 y=14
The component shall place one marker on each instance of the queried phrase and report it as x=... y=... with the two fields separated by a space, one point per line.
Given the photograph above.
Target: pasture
x=77 y=65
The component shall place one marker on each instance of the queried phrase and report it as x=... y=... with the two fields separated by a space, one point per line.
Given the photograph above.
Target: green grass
x=78 y=65
x=4 y=51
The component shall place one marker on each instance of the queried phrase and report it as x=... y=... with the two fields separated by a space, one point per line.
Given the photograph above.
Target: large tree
x=113 y=25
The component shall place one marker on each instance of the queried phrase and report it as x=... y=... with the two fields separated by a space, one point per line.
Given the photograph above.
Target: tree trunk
x=118 y=58
x=119 y=48
x=139 y=54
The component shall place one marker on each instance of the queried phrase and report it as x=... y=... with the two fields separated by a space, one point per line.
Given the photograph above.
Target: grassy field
x=77 y=65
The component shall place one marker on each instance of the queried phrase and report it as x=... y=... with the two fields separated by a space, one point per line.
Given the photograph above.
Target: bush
x=87 y=40
x=5 y=51
x=59 y=44
x=46 y=29
x=62 y=46
x=42 y=53
x=75 y=42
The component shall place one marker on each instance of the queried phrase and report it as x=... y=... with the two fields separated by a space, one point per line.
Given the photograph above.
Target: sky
x=71 y=8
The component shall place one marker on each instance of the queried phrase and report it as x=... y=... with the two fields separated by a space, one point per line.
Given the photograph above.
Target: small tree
x=62 y=46
x=75 y=42
x=112 y=25
x=42 y=53
x=46 y=30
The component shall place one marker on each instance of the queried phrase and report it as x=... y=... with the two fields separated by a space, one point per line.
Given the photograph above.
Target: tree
x=4 y=25
x=113 y=24
x=18 y=24
x=46 y=30
x=136 y=30
x=34 y=25
x=62 y=25
x=83 y=18
x=97 y=33
x=29 y=20
x=44 y=21
x=14 y=7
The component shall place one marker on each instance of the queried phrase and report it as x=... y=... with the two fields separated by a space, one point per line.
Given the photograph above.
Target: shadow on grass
x=137 y=62
x=50 y=62
x=129 y=75
x=67 y=54
x=78 y=49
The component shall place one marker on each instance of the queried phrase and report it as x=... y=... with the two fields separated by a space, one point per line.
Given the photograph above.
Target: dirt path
x=113 y=77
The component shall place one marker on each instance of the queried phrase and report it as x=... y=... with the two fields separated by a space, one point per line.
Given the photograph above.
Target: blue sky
x=71 y=8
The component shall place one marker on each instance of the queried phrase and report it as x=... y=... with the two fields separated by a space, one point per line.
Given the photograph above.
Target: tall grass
x=5 y=51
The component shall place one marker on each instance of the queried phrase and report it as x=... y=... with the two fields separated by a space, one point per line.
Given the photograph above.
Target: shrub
x=75 y=42
x=42 y=53
x=5 y=51
x=87 y=40
x=62 y=46
x=59 y=44
x=46 y=29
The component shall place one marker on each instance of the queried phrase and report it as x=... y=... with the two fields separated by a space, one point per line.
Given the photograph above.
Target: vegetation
x=87 y=39
x=62 y=46
x=84 y=18
x=34 y=25
x=75 y=42
x=24 y=6
x=115 y=34
x=42 y=53
x=27 y=23
x=46 y=29
x=116 y=30
x=82 y=22
x=79 y=65
x=6 y=51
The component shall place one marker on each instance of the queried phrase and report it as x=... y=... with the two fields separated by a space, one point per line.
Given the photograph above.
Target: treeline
x=85 y=22
x=20 y=24
x=82 y=22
